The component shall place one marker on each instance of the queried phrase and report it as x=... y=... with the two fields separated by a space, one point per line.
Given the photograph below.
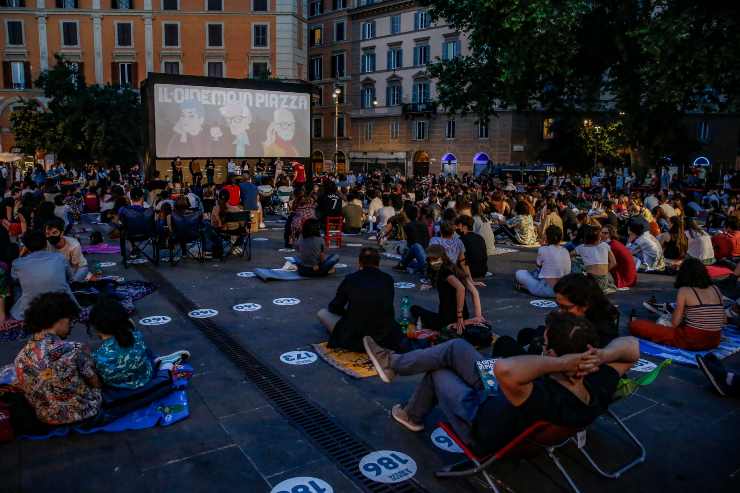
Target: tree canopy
x=644 y=62
x=81 y=123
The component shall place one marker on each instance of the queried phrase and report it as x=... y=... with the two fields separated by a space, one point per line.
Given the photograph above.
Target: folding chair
x=186 y=230
x=240 y=237
x=539 y=437
x=333 y=231
x=140 y=230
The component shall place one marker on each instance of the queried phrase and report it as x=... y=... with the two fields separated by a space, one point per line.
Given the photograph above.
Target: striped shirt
x=705 y=316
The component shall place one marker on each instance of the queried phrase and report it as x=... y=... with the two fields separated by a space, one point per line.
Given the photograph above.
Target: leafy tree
x=648 y=62
x=82 y=123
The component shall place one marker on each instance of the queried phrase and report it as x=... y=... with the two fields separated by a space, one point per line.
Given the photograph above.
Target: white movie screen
x=198 y=121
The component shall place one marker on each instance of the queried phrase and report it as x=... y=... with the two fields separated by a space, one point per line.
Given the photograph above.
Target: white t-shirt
x=700 y=246
x=384 y=214
x=554 y=261
x=453 y=246
x=594 y=254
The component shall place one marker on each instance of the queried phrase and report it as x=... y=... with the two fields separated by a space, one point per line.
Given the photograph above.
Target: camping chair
x=333 y=231
x=240 y=237
x=187 y=229
x=139 y=229
x=539 y=437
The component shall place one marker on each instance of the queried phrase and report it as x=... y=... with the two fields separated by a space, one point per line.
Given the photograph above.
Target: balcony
x=427 y=108
x=376 y=112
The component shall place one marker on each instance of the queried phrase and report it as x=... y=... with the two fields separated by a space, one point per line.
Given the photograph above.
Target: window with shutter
x=215 y=35
x=14 y=33
x=171 y=35
x=123 y=35
x=215 y=69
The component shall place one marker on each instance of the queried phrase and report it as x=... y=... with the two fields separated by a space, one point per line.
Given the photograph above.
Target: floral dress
x=54 y=376
x=523 y=226
x=304 y=211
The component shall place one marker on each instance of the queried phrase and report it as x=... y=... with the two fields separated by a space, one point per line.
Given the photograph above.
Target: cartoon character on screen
x=239 y=118
x=188 y=138
x=280 y=133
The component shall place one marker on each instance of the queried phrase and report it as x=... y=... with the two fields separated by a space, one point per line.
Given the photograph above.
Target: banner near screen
x=197 y=121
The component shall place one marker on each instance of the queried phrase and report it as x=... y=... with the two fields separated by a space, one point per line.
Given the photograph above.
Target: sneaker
x=714 y=371
x=400 y=415
x=655 y=307
x=237 y=251
x=176 y=357
x=381 y=359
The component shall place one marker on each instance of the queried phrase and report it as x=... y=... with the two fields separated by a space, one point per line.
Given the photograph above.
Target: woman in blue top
x=122 y=360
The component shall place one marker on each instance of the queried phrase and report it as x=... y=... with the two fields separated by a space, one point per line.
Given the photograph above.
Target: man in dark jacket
x=363 y=306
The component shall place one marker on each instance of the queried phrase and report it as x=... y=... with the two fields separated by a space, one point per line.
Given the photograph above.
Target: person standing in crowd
x=210 y=171
x=195 y=172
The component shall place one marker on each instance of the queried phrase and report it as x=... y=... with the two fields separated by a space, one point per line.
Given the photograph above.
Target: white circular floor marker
x=353 y=244
x=387 y=466
x=286 y=250
x=138 y=261
x=286 y=301
x=155 y=320
x=543 y=303
x=341 y=266
x=260 y=239
x=247 y=307
x=644 y=366
x=246 y=274
x=107 y=264
x=442 y=440
x=404 y=285
x=303 y=485
x=298 y=358
x=203 y=313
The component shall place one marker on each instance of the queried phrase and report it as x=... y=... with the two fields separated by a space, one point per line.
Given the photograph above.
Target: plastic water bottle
x=405 y=314
x=98 y=269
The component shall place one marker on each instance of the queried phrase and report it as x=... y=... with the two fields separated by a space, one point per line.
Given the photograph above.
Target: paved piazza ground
x=240 y=438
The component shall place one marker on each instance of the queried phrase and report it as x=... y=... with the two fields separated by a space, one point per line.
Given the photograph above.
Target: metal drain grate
x=338 y=444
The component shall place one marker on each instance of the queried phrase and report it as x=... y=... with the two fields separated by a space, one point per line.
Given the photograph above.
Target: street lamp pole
x=336 y=94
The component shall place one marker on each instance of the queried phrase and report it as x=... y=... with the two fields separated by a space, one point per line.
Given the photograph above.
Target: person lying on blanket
x=570 y=384
x=697 y=321
x=69 y=248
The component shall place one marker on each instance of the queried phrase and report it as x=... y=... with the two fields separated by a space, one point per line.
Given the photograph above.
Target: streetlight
x=596 y=144
x=336 y=94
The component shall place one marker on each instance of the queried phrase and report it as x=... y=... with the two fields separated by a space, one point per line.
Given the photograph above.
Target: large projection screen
x=198 y=121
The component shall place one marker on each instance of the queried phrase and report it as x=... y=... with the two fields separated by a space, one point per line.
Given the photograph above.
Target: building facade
x=388 y=116
x=120 y=41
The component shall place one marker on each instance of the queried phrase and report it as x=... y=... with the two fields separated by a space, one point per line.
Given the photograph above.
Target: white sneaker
x=176 y=357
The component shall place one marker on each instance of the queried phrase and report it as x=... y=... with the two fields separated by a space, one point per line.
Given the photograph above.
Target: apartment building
x=120 y=41
x=386 y=115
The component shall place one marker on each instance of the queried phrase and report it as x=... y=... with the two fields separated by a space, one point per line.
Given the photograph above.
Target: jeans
x=537 y=287
x=451 y=380
x=327 y=265
x=415 y=257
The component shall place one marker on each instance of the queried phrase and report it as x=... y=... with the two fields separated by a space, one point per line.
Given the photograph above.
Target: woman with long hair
x=696 y=322
x=482 y=226
x=452 y=284
x=675 y=243
x=520 y=228
x=303 y=208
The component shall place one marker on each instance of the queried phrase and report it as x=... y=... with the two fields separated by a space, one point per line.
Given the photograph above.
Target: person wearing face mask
x=452 y=284
x=577 y=294
x=69 y=247
x=571 y=384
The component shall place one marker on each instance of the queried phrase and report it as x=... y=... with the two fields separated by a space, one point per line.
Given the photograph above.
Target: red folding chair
x=333 y=231
x=539 y=437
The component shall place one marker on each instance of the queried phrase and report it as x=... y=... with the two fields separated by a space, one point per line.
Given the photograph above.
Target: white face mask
x=435 y=264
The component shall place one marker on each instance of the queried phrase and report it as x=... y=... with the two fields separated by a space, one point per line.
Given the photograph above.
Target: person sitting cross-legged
x=363 y=306
x=570 y=384
x=553 y=262
x=312 y=258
